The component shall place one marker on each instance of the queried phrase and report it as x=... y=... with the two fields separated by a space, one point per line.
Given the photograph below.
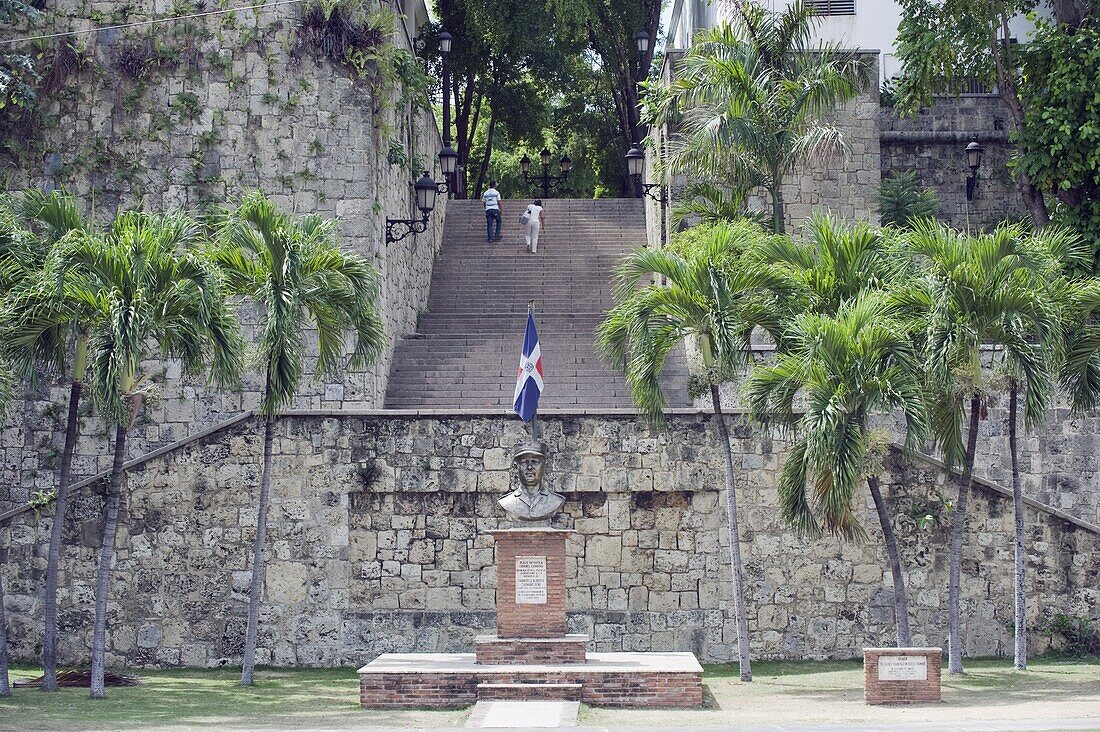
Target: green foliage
x=941 y=45
x=973 y=290
x=849 y=365
x=188 y=105
x=748 y=101
x=18 y=71
x=1074 y=636
x=707 y=297
x=41 y=499
x=707 y=203
x=147 y=289
x=901 y=200
x=357 y=36
x=1059 y=143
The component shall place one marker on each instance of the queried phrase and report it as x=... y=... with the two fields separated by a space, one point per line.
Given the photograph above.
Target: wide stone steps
x=466 y=350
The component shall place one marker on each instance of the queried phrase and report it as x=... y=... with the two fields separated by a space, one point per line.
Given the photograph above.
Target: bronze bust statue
x=531 y=501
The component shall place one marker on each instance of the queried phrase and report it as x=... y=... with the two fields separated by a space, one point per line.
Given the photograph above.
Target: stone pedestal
x=531 y=657
x=901 y=675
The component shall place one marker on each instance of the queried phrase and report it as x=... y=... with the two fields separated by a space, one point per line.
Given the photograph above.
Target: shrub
x=902 y=199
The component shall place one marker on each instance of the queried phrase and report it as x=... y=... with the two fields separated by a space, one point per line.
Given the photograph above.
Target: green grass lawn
x=208 y=698
x=786 y=691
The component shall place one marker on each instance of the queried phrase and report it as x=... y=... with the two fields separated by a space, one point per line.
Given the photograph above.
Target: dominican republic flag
x=529 y=376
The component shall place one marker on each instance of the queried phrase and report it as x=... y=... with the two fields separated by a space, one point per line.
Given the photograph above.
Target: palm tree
x=978 y=290
x=848 y=366
x=715 y=302
x=833 y=265
x=1080 y=370
x=298 y=277
x=43 y=318
x=748 y=101
x=149 y=289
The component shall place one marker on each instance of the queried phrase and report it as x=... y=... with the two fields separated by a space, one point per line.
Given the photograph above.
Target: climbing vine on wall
x=359 y=39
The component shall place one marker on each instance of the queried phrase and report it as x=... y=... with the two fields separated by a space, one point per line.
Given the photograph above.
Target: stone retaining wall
x=933 y=144
x=245 y=105
x=380 y=541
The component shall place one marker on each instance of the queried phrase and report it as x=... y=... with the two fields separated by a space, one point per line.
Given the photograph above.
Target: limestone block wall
x=222 y=105
x=932 y=143
x=380 y=541
x=843 y=183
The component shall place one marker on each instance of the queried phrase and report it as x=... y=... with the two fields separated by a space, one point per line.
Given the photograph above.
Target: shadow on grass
x=780 y=668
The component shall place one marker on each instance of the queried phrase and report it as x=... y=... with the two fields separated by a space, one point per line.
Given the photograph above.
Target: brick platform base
x=449 y=680
x=528 y=692
x=489 y=649
x=901 y=675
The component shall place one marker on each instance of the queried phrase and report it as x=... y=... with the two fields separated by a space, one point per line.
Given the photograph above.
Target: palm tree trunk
x=5 y=688
x=778 y=225
x=53 y=557
x=1018 y=506
x=901 y=597
x=958 y=530
x=740 y=615
x=103 y=578
x=248 y=665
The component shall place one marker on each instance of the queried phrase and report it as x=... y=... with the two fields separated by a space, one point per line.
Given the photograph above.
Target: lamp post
x=642 y=40
x=448 y=158
x=397 y=229
x=546 y=180
x=635 y=165
x=974 y=152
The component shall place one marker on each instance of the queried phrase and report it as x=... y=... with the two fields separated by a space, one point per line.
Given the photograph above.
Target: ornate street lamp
x=397 y=229
x=448 y=163
x=974 y=152
x=643 y=40
x=546 y=180
x=635 y=166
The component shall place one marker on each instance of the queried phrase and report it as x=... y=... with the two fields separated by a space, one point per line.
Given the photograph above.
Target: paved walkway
x=524 y=715
x=1091 y=724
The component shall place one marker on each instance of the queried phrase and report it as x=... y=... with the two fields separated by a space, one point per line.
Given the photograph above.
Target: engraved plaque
x=530 y=580
x=902 y=668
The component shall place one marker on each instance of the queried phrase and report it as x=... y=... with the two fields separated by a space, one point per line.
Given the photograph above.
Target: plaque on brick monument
x=901 y=675
x=903 y=668
x=531 y=580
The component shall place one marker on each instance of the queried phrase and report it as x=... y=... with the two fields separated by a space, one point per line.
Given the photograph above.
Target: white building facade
x=863 y=24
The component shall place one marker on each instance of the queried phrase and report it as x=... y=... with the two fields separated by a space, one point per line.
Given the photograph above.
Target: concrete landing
x=524 y=714
x=594 y=663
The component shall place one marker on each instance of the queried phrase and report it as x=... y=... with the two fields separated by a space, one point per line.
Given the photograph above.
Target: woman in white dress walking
x=533 y=224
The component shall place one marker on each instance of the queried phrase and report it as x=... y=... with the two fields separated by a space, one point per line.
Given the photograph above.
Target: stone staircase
x=466 y=348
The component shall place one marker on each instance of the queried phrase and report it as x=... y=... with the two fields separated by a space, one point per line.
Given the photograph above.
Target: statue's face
x=530 y=470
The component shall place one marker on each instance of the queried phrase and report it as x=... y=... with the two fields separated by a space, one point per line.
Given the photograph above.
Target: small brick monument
x=901 y=675
x=531 y=657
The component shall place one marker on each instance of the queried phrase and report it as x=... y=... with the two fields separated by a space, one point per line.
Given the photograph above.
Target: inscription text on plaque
x=902 y=668
x=530 y=580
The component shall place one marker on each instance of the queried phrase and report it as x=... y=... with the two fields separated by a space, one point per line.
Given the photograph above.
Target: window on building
x=832 y=7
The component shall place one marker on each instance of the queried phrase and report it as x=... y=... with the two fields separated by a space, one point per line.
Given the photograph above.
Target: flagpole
x=535 y=415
